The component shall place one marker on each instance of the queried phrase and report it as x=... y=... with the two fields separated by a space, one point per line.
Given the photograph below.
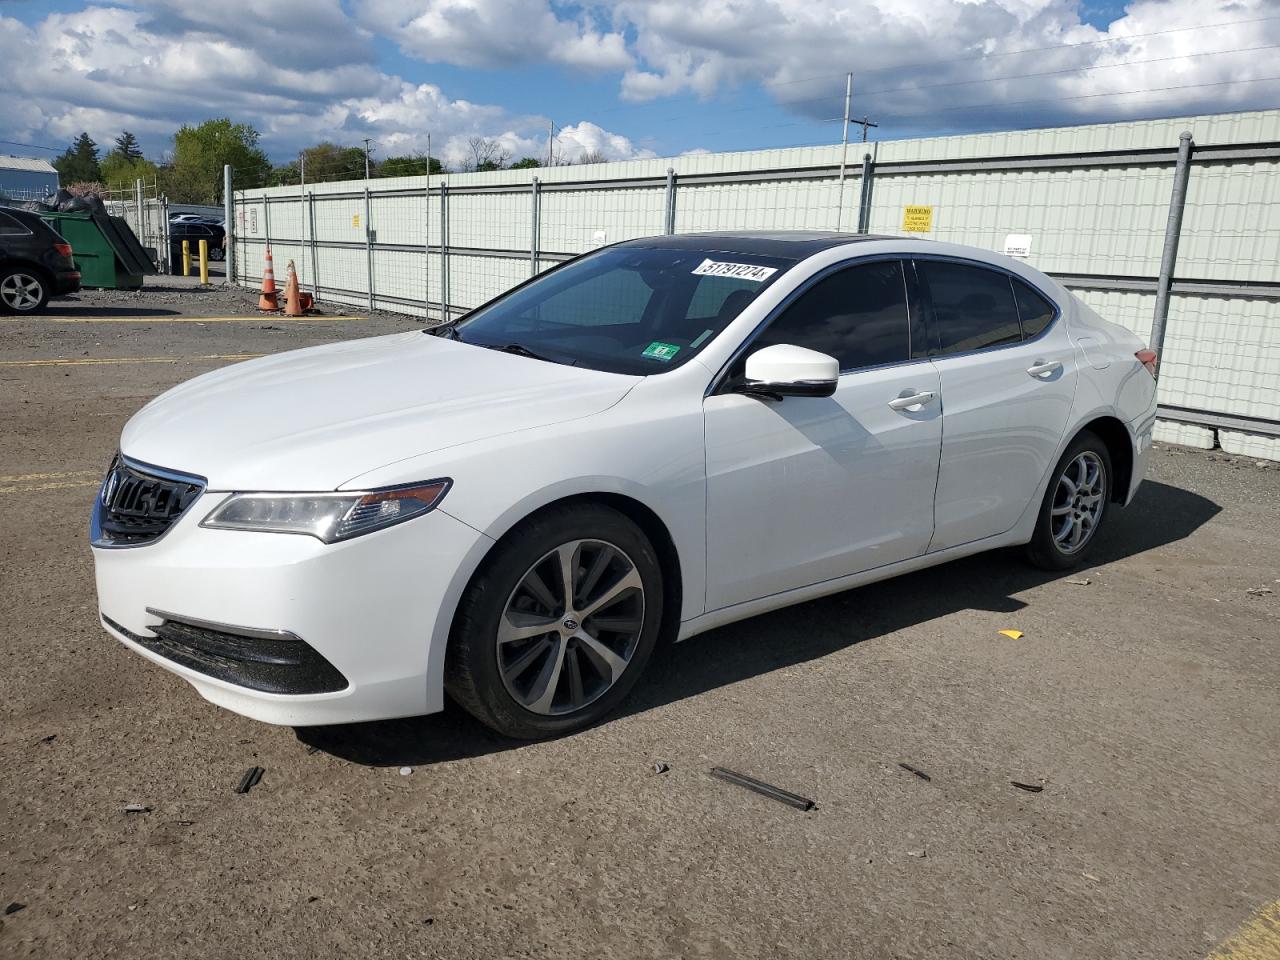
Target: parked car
x=197 y=231
x=654 y=439
x=35 y=263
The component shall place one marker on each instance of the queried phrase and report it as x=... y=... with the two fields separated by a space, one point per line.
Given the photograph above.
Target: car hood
x=312 y=419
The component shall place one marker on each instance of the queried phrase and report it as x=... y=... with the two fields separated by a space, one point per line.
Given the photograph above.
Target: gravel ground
x=1143 y=702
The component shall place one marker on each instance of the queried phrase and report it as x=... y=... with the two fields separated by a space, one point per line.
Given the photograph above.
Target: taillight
x=1148 y=359
x=63 y=249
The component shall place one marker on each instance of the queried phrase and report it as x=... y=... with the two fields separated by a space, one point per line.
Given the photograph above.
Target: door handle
x=1043 y=368
x=911 y=403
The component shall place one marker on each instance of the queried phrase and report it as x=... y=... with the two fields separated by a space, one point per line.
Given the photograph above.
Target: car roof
x=28 y=217
x=786 y=244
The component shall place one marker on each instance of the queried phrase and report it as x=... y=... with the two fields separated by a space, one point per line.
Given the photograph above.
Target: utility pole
x=551 y=138
x=367 y=141
x=844 y=145
x=864 y=123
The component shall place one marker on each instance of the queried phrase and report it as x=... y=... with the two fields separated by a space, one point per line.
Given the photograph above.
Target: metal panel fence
x=1093 y=200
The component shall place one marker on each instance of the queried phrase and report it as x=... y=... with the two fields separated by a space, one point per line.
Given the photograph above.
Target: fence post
x=1169 y=257
x=228 y=233
x=315 y=262
x=266 y=222
x=444 y=251
x=864 y=201
x=669 y=224
x=535 y=226
x=142 y=217
x=368 y=242
x=426 y=244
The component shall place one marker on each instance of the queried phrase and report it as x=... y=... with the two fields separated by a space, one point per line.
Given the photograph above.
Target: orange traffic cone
x=268 y=300
x=292 y=297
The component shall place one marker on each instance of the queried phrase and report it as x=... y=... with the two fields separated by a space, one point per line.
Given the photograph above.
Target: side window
x=1034 y=310
x=973 y=308
x=611 y=297
x=10 y=227
x=858 y=316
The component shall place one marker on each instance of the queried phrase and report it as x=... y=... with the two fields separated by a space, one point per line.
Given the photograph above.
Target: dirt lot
x=1144 y=702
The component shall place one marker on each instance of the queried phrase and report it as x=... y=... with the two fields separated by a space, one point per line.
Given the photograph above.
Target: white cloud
x=494 y=33
x=145 y=69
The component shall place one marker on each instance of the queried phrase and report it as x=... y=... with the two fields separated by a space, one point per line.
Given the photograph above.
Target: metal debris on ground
x=250 y=779
x=1259 y=591
x=920 y=854
x=136 y=808
x=764 y=789
x=660 y=767
x=1081 y=582
x=918 y=772
x=1011 y=634
x=49 y=739
x=1029 y=787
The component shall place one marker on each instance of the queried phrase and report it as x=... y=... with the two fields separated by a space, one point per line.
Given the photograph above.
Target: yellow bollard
x=186 y=258
x=204 y=262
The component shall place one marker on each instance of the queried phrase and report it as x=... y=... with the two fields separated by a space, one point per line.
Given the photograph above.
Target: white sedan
x=651 y=440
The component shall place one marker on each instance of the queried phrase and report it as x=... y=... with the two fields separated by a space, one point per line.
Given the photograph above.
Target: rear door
x=1007 y=371
x=809 y=489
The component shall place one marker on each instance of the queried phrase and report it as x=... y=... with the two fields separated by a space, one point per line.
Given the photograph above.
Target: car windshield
x=633 y=310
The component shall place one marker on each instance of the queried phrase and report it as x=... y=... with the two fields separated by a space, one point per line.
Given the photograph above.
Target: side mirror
x=784 y=370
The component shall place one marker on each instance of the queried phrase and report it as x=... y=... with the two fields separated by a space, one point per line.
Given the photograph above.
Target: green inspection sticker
x=660 y=351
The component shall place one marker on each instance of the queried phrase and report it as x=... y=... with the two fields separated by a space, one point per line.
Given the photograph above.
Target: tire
x=22 y=290
x=216 y=254
x=1074 y=507
x=512 y=626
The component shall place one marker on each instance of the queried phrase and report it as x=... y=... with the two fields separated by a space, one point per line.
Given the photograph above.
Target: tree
x=199 y=154
x=409 y=166
x=526 y=163
x=593 y=156
x=79 y=163
x=486 y=154
x=119 y=172
x=127 y=147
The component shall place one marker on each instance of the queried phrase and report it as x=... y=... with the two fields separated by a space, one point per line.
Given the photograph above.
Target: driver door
x=809 y=489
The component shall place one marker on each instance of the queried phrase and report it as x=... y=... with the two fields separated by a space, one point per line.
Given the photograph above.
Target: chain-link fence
x=1089 y=205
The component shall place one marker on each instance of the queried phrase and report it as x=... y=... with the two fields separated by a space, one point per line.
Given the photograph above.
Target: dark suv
x=35 y=263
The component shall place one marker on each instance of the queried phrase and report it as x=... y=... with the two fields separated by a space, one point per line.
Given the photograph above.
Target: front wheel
x=558 y=625
x=1074 y=505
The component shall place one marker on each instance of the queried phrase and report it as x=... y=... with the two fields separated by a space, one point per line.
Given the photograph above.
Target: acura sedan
x=660 y=437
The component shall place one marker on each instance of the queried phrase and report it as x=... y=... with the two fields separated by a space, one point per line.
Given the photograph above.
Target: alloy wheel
x=21 y=291
x=570 y=627
x=1078 y=502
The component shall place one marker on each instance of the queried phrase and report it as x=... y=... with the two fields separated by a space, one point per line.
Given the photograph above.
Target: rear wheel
x=557 y=627
x=1074 y=505
x=22 y=290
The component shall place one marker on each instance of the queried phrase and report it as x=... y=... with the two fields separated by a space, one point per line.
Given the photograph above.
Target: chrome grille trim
x=139 y=503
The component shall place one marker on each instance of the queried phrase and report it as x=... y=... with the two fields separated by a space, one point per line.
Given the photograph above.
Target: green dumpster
x=106 y=251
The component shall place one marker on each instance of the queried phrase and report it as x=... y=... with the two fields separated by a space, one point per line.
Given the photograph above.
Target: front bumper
x=375 y=608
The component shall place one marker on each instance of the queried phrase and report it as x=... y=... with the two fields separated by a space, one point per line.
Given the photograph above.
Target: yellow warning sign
x=917 y=219
x=355 y=219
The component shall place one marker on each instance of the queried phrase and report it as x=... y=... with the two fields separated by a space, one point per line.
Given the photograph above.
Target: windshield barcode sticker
x=742 y=271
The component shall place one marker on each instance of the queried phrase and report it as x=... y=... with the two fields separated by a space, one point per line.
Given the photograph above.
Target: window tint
x=973 y=308
x=1034 y=310
x=712 y=294
x=858 y=316
x=10 y=227
x=619 y=296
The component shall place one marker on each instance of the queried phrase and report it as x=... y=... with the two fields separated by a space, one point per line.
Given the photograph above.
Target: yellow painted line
x=236 y=319
x=1259 y=939
x=62 y=475
x=90 y=361
x=34 y=487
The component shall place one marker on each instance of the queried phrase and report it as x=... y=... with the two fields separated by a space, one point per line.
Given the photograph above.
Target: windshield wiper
x=447 y=328
x=520 y=350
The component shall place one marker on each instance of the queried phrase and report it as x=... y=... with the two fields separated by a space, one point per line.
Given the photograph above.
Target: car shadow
x=1160 y=514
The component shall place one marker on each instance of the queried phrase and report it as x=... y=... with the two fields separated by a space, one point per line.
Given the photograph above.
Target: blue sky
x=619 y=78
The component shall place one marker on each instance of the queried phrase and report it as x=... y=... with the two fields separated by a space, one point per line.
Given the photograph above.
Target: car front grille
x=139 y=503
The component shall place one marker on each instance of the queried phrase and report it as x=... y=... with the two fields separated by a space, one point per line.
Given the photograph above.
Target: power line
x=32 y=146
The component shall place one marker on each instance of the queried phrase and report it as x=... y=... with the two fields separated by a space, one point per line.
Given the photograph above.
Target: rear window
x=12 y=226
x=1035 y=312
x=973 y=307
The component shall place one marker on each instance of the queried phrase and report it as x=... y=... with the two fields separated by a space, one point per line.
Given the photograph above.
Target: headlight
x=326 y=516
